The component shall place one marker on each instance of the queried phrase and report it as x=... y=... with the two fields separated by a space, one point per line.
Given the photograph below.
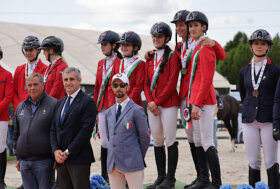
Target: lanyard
x=187 y=56
x=125 y=69
x=47 y=72
x=256 y=85
x=26 y=68
x=106 y=71
x=157 y=63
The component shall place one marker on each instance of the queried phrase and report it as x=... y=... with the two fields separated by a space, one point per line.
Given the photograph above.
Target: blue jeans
x=37 y=174
x=10 y=139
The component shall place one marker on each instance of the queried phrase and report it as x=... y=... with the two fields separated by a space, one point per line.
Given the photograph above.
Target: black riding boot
x=169 y=181
x=3 y=165
x=254 y=176
x=214 y=166
x=160 y=158
x=203 y=179
x=273 y=177
x=104 y=173
x=195 y=161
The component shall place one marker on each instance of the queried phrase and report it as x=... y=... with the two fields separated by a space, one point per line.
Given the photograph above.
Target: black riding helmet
x=132 y=38
x=261 y=34
x=1 y=53
x=161 y=28
x=197 y=16
x=54 y=43
x=180 y=15
x=109 y=37
x=31 y=42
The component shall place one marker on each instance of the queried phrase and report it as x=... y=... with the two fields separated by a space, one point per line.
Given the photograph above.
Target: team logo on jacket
x=127 y=125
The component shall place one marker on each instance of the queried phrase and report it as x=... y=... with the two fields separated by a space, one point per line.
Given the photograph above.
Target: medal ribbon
x=156 y=71
x=194 y=64
x=26 y=68
x=130 y=67
x=256 y=85
x=46 y=75
x=106 y=74
x=187 y=56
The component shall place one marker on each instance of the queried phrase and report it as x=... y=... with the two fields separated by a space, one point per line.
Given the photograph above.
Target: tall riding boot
x=169 y=181
x=254 y=176
x=203 y=179
x=214 y=165
x=195 y=161
x=3 y=165
x=273 y=177
x=104 y=173
x=161 y=166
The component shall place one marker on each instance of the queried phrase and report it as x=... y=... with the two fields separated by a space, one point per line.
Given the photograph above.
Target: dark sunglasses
x=122 y=85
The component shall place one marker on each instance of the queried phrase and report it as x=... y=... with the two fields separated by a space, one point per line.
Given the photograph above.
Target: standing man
x=129 y=139
x=32 y=135
x=31 y=52
x=73 y=122
x=6 y=96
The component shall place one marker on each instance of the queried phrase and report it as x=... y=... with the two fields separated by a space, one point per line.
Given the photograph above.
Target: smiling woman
x=257 y=86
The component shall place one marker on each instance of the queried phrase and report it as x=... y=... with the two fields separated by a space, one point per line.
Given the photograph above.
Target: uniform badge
x=127 y=125
x=187 y=114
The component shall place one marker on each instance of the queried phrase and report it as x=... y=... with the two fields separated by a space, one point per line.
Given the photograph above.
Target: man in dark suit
x=71 y=130
x=129 y=139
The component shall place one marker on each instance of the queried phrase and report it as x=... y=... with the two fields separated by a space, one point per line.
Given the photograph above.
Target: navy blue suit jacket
x=276 y=107
x=75 y=132
x=260 y=108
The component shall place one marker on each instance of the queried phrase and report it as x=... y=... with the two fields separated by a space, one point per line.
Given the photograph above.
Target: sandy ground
x=234 y=165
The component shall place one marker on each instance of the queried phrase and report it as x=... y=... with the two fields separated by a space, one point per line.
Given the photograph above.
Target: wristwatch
x=66 y=153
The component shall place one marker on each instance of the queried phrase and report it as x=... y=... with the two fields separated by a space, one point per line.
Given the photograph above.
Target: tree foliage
x=238 y=54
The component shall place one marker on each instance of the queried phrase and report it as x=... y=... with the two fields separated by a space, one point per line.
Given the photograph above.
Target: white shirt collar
x=31 y=67
x=73 y=96
x=129 y=60
x=159 y=53
x=123 y=104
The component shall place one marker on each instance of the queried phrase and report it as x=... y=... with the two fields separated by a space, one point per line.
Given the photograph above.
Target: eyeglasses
x=122 y=85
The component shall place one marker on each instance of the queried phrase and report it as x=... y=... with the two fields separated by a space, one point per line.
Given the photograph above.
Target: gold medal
x=255 y=93
x=184 y=71
x=103 y=87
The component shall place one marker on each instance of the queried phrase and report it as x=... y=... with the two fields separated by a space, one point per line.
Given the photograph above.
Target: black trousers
x=73 y=176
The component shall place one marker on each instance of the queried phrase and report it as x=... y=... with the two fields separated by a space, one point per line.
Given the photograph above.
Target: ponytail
x=119 y=55
x=167 y=50
x=63 y=60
